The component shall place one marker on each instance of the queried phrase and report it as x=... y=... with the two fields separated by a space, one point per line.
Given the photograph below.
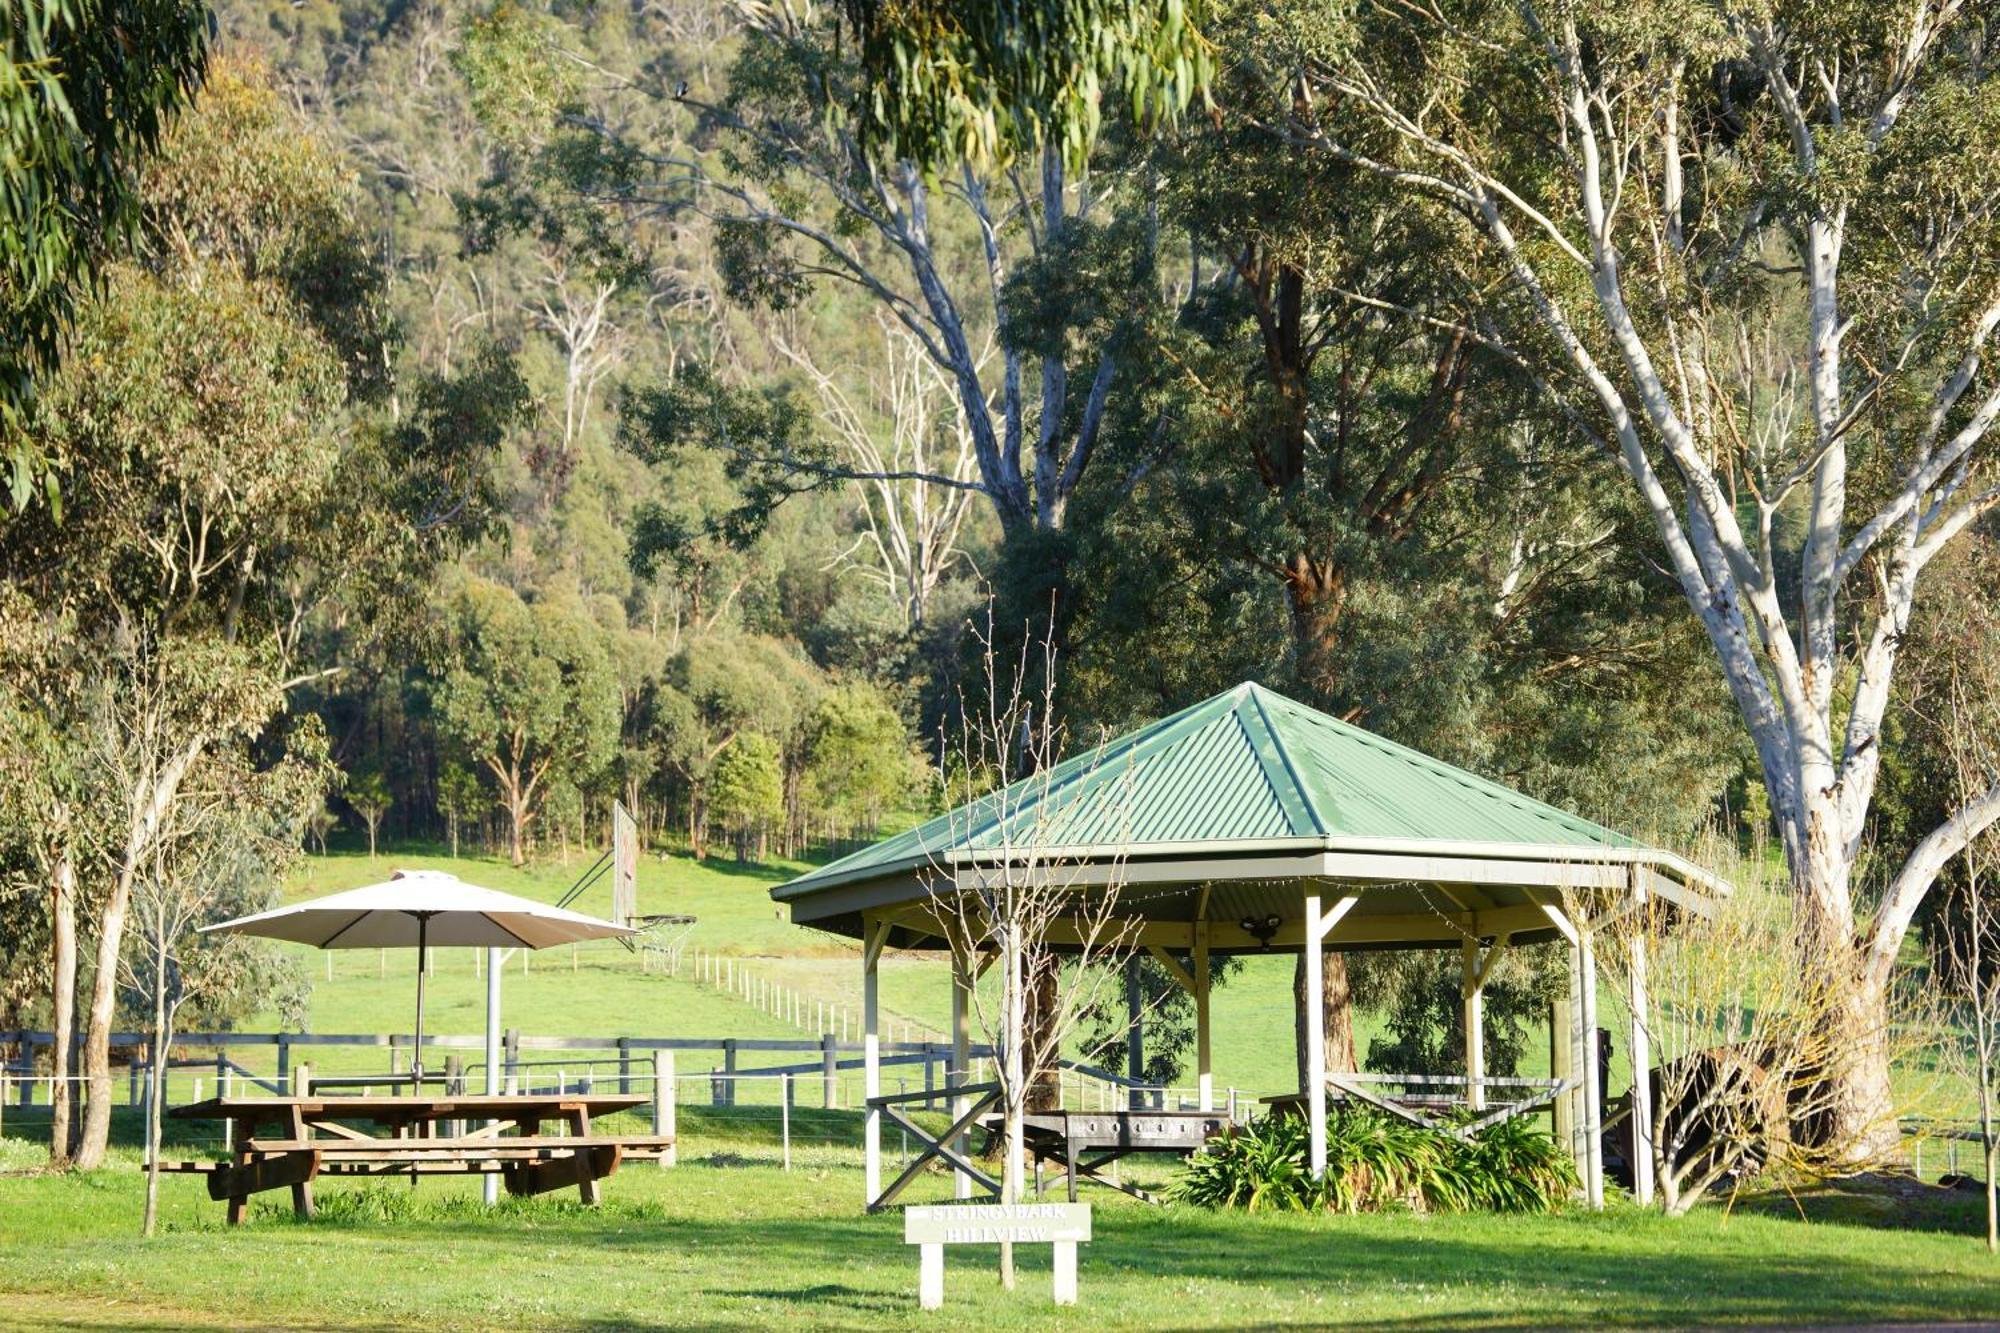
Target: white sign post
x=931 y=1228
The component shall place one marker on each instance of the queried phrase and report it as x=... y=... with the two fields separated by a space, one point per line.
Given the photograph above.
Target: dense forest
x=505 y=411
x=768 y=454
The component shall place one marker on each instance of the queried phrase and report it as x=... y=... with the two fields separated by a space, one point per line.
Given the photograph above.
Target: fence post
x=829 y=1064
x=3 y=1094
x=715 y=1085
x=454 y=1086
x=663 y=1105
x=729 y=1069
x=131 y=1081
x=285 y=1055
x=302 y=1080
x=930 y=1079
x=512 y=1044
x=785 y=1115
x=222 y=1090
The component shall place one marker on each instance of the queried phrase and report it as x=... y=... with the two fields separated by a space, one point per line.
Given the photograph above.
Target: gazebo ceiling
x=1230 y=812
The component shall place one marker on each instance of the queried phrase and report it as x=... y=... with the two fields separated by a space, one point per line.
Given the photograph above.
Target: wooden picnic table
x=291 y=1141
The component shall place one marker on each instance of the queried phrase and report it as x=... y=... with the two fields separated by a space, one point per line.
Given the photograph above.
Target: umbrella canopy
x=414 y=908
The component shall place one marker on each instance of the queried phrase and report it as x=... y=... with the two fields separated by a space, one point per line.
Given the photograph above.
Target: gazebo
x=1250 y=823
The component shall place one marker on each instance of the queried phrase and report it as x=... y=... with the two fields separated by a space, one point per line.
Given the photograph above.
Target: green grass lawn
x=731 y=1239
x=728 y=1239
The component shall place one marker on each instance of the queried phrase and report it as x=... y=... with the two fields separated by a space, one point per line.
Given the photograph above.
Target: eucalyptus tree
x=228 y=479
x=527 y=692
x=1008 y=274
x=1332 y=367
x=87 y=87
x=1750 y=249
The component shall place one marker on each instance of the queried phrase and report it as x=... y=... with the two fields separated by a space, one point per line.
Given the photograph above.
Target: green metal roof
x=1246 y=770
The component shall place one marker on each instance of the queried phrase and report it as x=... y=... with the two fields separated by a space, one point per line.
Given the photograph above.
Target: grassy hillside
x=603 y=990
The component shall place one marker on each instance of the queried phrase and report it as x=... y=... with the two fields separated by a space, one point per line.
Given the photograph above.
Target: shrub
x=1376 y=1161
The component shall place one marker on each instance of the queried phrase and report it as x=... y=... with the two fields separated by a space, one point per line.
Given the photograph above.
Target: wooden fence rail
x=831 y=1057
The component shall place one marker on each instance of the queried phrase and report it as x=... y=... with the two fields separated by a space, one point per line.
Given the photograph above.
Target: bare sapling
x=1014 y=892
x=1735 y=1011
x=1970 y=966
x=220 y=848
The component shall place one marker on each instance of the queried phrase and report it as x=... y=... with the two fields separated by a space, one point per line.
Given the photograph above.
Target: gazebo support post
x=489 y=1189
x=1587 y=1142
x=1593 y=1071
x=961 y=1060
x=1318 y=925
x=1642 y=1081
x=1203 y=1062
x=1135 y=1035
x=1476 y=965
x=874 y=935
x=1472 y=989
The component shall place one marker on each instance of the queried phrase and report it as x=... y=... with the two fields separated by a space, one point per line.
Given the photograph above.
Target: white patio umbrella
x=419 y=908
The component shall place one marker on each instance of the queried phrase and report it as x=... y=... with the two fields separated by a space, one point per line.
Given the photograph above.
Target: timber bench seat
x=417 y=1135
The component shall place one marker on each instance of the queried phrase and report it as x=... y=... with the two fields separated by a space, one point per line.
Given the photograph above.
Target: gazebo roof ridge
x=1248 y=771
x=1427 y=764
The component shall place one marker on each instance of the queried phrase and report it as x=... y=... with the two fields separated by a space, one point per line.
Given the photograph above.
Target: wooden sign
x=931 y=1228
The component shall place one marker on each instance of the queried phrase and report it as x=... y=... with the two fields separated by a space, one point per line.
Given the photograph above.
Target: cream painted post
x=930 y=1276
x=959 y=1075
x=1065 y=1272
x=1582 y=1061
x=1317 y=927
x=1642 y=1081
x=1315 y=1089
x=489 y=1185
x=665 y=1111
x=1203 y=1059
x=873 y=935
x=1472 y=990
x=1593 y=1080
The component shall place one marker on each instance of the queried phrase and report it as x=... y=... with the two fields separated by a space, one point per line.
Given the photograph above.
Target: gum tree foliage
x=367 y=792
x=942 y=83
x=722 y=687
x=526 y=691
x=87 y=87
x=859 y=764
x=229 y=477
x=1015 y=279
x=747 y=791
x=1748 y=249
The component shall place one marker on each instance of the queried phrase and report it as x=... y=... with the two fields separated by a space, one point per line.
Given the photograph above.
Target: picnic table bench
x=291 y=1141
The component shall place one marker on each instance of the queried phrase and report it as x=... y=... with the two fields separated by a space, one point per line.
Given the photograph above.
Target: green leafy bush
x=1376 y=1161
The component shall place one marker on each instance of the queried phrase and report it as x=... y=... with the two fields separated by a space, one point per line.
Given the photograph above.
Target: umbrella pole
x=417 y=1054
